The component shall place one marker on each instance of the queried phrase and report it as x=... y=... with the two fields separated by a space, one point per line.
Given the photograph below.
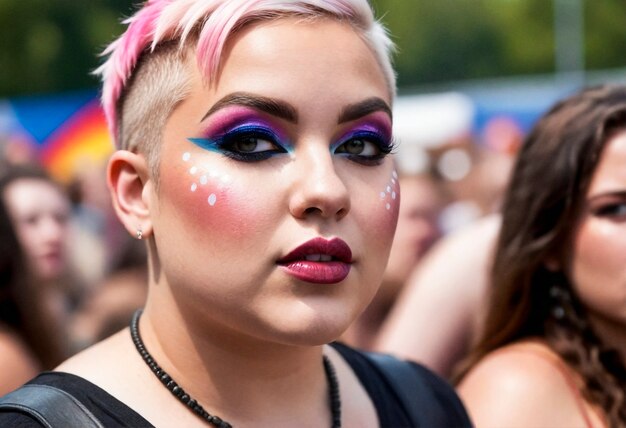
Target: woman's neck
x=236 y=374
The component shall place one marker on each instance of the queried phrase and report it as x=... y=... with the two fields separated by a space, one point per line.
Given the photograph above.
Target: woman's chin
x=50 y=272
x=49 y=269
x=312 y=328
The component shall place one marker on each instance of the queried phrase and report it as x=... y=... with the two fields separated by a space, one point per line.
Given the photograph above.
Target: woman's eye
x=611 y=210
x=31 y=219
x=359 y=146
x=61 y=218
x=365 y=149
x=251 y=144
x=245 y=144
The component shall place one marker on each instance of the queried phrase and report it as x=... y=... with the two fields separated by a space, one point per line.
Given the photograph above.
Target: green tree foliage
x=605 y=41
x=52 y=45
x=446 y=40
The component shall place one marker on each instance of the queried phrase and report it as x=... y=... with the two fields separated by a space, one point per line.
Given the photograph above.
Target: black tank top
x=113 y=413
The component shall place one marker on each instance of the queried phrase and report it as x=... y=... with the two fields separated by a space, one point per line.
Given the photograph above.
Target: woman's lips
x=319 y=261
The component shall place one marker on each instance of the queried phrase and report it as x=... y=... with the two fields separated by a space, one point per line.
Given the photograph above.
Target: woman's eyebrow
x=271 y=106
x=363 y=108
x=607 y=194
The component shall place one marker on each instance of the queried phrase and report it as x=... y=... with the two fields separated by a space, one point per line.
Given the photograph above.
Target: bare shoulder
x=17 y=362
x=459 y=264
x=520 y=385
x=104 y=363
x=478 y=237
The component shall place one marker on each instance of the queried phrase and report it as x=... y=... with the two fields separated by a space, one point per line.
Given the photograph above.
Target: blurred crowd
x=69 y=274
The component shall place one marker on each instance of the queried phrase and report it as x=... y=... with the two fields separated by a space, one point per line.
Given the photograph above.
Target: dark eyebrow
x=609 y=194
x=363 y=108
x=271 y=106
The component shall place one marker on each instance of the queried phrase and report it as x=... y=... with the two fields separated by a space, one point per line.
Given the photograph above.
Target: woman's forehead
x=286 y=55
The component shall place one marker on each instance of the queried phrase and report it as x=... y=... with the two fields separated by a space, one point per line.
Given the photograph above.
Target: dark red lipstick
x=320 y=261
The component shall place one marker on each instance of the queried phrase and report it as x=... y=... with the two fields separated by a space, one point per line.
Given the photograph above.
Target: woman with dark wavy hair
x=553 y=352
x=32 y=219
x=18 y=361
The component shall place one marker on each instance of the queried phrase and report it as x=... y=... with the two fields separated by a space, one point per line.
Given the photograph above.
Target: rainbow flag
x=68 y=131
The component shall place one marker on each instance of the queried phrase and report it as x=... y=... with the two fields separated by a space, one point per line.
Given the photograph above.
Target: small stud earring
x=139 y=234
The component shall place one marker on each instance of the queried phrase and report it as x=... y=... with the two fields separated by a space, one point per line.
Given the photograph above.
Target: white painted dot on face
x=194 y=186
x=382 y=195
x=203 y=179
x=393 y=181
x=393 y=195
x=193 y=170
x=212 y=199
x=388 y=206
x=394 y=174
x=388 y=189
x=186 y=156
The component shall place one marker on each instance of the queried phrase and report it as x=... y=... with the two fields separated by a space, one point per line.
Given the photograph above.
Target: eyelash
x=225 y=144
x=384 y=147
x=613 y=209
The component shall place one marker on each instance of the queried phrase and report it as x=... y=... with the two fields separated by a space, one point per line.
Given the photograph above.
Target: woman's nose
x=318 y=190
x=52 y=230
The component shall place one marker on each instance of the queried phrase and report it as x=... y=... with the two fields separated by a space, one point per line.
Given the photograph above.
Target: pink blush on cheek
x=211 y=201
x=215 y=211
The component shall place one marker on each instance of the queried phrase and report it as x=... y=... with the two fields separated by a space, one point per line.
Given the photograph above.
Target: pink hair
x=159 y=21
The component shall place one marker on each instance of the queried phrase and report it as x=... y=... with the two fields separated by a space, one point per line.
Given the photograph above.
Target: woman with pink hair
x=254 y=141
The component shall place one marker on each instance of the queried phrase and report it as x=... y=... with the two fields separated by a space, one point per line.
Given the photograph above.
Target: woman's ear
x=130 y=187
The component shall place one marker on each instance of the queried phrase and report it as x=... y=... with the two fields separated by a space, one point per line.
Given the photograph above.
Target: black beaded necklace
x=180 y=394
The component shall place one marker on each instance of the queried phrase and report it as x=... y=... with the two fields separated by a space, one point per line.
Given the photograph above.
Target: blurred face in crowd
x=418 y=227
x=277 y=203
x=599 y=259
x=40 y=211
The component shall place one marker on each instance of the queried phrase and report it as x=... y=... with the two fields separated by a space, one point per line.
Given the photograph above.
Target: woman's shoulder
x=522 y=384
x=18 y=363
x=95 y=356
x=516 y=367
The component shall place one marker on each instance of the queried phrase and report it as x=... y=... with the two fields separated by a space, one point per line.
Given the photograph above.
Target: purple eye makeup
x=243 y=135
x=366 y=142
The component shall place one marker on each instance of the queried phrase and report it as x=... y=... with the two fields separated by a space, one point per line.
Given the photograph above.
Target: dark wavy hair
x=541 y=209
x=22 y=308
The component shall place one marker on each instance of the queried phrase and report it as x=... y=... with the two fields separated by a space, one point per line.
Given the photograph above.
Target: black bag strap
x=417 y=398
x=50 y=406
